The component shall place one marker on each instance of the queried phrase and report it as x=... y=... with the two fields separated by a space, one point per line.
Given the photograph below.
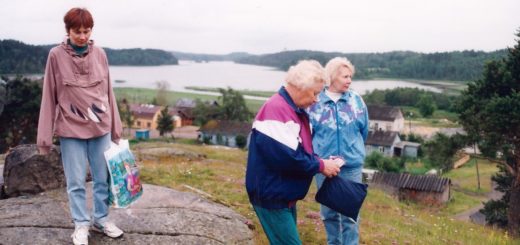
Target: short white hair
x=334 y=64
x=305 y=74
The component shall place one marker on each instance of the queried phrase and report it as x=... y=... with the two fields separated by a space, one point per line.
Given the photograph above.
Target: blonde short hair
x=334 y=64
x=305 y=74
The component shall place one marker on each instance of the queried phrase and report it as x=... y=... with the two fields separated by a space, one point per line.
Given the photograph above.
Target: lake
x=224 y=74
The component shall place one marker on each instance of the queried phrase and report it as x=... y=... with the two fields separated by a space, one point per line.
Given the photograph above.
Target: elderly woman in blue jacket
x=340 y=127
x=281 y=162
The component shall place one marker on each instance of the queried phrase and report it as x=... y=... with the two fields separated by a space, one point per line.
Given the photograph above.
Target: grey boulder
x=160 y=216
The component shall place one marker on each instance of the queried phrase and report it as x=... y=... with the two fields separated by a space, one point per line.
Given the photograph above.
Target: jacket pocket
x=85 y=100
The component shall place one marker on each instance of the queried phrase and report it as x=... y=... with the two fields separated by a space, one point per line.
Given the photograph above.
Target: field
x=145 y=96
x=219 y=176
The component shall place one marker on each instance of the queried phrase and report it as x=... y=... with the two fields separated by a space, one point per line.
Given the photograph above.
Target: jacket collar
x=324 y=98
x=283 y=92
x=65 y=45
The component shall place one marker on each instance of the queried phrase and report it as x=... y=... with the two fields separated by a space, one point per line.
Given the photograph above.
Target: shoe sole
x=102 y=232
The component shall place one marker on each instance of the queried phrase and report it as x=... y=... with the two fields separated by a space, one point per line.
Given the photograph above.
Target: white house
x=386 y=118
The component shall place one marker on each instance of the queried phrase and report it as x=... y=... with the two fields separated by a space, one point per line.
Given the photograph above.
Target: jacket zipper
x=337 y=127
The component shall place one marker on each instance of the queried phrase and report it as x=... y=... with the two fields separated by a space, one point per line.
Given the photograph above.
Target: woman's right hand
x=330 y=168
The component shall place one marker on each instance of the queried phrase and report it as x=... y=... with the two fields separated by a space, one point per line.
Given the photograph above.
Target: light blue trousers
x=341 y=230
x=77 y=155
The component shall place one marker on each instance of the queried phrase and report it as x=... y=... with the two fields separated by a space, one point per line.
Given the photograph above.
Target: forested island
x=19 y=58
x=451 y=66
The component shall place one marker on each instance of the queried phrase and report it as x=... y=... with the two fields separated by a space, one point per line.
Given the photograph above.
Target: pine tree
x=164 y=122
x=489 y=110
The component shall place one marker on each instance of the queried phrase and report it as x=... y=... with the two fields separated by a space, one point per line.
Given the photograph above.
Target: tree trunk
x=514 y=207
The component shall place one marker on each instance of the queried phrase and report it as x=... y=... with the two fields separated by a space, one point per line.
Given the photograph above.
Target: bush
x=377 y=161
x=241 y=141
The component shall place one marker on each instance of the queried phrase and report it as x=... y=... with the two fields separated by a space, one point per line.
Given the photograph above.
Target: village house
x=145 y=115
x=389 y=144
x=424 y=189
x=182 y=112
x=407 y=149
x=223 y=132
x=382 y=141
x=385 y=124
x=385 y=118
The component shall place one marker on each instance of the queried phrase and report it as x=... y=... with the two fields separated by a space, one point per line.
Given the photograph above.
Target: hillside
x=220 y=177
x=453 y=66
x=19 y=58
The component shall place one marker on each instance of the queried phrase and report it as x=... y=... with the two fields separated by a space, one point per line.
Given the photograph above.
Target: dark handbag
x=342 y=195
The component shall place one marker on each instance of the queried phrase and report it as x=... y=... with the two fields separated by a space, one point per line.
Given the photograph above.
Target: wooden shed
x=425 y=189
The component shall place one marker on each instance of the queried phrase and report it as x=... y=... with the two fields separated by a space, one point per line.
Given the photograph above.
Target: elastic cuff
x=322 y=165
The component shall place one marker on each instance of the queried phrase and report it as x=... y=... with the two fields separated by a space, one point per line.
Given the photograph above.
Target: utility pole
x=476 y=164
x=410 y=114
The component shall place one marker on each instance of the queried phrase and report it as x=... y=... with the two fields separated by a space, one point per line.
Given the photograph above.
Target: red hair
x=77 y=18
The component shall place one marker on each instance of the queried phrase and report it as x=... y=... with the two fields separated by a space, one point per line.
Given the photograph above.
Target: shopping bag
x=342 y=195
x=125 y=186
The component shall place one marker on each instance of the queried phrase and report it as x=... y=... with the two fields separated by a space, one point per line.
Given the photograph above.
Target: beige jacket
x=77 y=98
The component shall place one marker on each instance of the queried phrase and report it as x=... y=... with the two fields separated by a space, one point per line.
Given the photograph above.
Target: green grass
x=145 y=96
x=265 y=94
x=465 y=177
x=384 y=219
x=418 y=167
x=439 y=119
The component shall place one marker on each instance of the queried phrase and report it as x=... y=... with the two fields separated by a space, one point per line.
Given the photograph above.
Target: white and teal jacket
x=340 y=129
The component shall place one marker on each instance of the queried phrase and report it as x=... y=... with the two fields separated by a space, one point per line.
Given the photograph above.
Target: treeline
x=140 y=57
x=409 y=97
x=453 y=66
x=19 y=58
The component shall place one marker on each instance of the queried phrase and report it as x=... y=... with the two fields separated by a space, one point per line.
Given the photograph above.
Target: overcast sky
x=268 y=26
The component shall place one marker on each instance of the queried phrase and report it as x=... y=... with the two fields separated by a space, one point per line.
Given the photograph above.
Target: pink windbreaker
x=77 y=98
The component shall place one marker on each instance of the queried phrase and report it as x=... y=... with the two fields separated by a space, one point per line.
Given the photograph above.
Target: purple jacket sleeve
x=47 y=107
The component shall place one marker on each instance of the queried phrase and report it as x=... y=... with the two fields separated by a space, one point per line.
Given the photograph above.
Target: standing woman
x=79 y=107
x=340 y=127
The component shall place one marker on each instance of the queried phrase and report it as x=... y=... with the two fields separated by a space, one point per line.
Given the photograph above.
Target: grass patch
x=440 y=118
x=146 y=95
x=258 y=93
x=384 y=219
x=418 y=167
x=460 y=202
x=465 y=177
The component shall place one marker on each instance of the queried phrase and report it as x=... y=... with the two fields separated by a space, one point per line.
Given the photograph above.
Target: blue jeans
x=341 y=230
x=279 y=225
x=76 y=154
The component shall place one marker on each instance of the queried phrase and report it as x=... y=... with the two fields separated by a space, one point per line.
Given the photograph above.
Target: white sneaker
x=80 y=235
x=109 y=229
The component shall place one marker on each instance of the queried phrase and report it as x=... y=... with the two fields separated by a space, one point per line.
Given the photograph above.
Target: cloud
x=265 y=26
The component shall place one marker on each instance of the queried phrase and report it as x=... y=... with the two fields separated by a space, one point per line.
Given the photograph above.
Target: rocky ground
x=161 y=216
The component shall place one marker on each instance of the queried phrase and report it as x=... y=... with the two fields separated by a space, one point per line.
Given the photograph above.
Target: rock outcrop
x=26 y=172
x=161 y=216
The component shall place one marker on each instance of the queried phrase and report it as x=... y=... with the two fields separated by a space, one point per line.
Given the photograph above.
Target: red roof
x=144 y=110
